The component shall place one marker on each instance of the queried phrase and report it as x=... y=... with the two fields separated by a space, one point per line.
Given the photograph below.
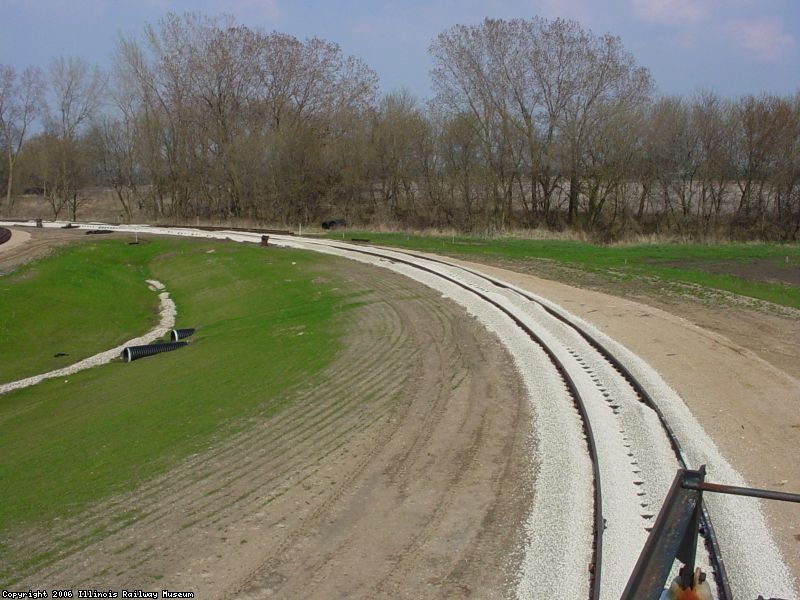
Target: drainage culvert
x=179 y=334
x=132 y=353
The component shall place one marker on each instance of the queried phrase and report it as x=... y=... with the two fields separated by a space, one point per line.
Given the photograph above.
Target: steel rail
x=709 y=535
x=708 y=531
x=599 y=522
x=720 y=573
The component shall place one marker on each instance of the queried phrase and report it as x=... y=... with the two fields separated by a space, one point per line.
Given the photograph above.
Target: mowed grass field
x=692 y=264
x=80 y=301
x=265 y=322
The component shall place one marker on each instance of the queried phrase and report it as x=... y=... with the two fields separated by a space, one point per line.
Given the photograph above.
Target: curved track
x=708 y=532
x=633 y=448
x=613 y=481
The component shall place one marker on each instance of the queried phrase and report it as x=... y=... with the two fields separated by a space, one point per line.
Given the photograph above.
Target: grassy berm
x=762 y=271
x=76 y=303
x=264 y=324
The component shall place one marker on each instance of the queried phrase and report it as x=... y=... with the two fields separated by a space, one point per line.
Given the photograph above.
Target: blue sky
x=733 y=47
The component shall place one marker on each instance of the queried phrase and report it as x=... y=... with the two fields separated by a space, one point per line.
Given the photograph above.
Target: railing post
x=687 y=553
x=674 y=535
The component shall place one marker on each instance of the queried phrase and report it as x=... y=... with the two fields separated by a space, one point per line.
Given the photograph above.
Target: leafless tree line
x=534 y=123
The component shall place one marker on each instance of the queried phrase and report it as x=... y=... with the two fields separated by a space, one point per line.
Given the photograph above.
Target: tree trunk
x=10 y=180
x=572 y=211
x=642 y=198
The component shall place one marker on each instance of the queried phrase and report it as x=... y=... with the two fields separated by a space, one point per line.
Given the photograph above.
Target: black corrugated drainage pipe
x=179 y=334
x=132 y=353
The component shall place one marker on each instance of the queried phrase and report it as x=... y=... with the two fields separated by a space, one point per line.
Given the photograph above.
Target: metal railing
x=675 y=532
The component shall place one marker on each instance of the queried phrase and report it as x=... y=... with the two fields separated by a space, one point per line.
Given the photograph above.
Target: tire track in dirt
x=228 y=460
x=408 y=460
x=427 y=419
x=476 y=423
x=507 y=486
x=389 y=429
x=357 y=388
x=240 y=514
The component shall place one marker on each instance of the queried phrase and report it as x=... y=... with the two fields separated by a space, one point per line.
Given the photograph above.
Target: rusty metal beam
x=674 y=533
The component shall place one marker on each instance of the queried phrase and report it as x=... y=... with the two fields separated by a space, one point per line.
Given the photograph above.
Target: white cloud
x=580 y=10
x=671 y=12
x=763 y=36
x=742 y=23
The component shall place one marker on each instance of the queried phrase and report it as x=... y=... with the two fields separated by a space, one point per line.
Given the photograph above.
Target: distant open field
x=769 y=272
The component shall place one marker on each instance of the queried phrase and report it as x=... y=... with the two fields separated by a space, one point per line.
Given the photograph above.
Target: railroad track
x=647 y=508
x=708 y=533
x=633 y=448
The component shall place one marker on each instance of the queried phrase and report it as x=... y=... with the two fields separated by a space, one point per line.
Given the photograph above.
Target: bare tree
x=78 y=90
x=21 y=103
x=602 y=81
x=787 y=173
x=463 y=166
x=758 y=126
x=536 y=89
x=113 y=145
x=467 y=81
x=397 y=129
x=232 y=121
x=710 y=119
x=535 y=122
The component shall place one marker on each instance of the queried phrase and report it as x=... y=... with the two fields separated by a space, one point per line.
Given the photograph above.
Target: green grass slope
x=85 y=299
x=265 y=324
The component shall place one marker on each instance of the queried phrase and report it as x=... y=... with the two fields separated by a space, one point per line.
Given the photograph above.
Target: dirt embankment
x=402 y=472
x=28 y=243
x=736 y=369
